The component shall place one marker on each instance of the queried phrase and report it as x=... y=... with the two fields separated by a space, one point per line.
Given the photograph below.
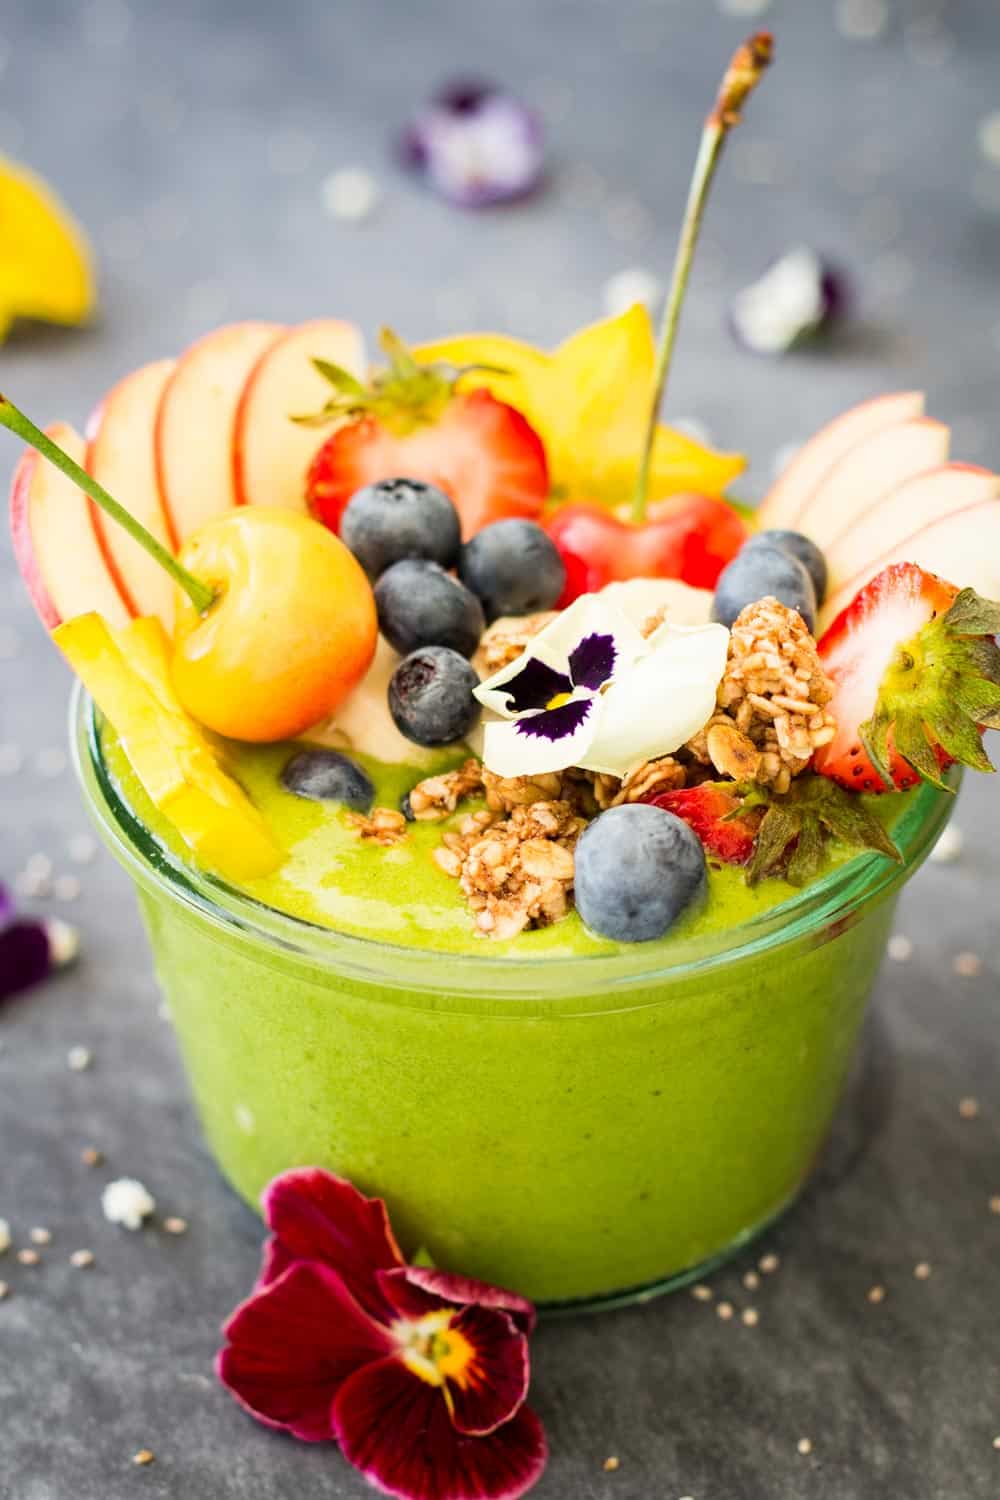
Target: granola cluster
x=505 y=640
x=516 y=872
x=383 y=825
x=437 y=797
x=772 y=701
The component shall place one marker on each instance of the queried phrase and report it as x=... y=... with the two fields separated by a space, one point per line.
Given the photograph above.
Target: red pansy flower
x=419 y=1375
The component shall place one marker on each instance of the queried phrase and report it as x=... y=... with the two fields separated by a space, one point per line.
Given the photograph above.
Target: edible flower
x=588 y=401
x=419 y=1375
x=30 y=949
x=476 y=144
x=590 y=691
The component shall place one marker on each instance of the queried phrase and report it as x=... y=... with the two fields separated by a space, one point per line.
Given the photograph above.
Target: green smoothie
x=558 y=1114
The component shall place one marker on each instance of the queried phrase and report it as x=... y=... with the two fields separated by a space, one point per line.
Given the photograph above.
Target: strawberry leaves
x=798 y=825
x=940 y=689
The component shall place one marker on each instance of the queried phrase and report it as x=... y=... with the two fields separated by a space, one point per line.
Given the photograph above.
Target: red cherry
x=690 y=537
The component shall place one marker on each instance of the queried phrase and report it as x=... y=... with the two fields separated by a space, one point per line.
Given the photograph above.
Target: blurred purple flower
x=799 y=296
x=476 y=145
x=30 y=949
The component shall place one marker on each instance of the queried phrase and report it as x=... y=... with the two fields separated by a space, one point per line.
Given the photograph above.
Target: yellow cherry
x=291 y=632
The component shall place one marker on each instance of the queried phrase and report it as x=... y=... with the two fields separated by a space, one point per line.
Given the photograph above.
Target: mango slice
x=45 y=262
x=127 y=673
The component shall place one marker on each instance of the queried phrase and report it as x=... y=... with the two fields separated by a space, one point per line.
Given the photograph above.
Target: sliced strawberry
x=915 y=673
x=711 y=810
x=477 y=449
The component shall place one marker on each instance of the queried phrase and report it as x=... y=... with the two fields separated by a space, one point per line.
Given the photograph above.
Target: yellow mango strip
x=127 y=675
x=45 y=263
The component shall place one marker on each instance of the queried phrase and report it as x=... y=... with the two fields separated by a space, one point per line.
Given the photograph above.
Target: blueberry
x=419 y=604
x=430 y=697
x=397 y=518
x=758 y=571
x=514 y=567
x=637 y=869
x=328 y=776
x=796 y=545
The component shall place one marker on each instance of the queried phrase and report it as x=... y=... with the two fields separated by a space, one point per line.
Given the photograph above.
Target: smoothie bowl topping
x=480 y=614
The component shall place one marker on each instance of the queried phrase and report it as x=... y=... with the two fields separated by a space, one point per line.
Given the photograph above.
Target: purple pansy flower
x=419 y=1375
x=589 y=690
x=476 y=144
x=30 y=949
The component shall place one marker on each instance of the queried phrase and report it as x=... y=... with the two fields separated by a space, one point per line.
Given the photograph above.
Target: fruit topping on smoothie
x=501 y=624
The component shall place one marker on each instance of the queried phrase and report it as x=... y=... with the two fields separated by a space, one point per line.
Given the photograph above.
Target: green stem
x=742 y=75
x=201 y=596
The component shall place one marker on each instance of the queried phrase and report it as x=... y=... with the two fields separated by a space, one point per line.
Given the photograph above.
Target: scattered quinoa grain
x=922 y=1270
x=702 y=1293
x=899 y=948
x=804 y=1446
x=968 y=1108
x=28 y=1257
x=768 y=1264
x=143 y=1457
x=4 y=1290
x=81 y=1259
x=127 y=1202
x=40 y=1236
x=4 y=1236
x=611 y=1464
x=876 y=1294
x=751 y=1281
x=175 y=1225
x=79 y=1059
x=725 y=1311
x=750 y=1316
x=995 y=1204
x=968 y=965
x=91 y=1157
x=996 y=1442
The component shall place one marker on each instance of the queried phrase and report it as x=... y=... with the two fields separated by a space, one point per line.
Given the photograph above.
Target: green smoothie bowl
x=582 y=1129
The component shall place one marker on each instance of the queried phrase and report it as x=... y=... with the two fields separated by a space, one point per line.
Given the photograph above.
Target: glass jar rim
x=836 y=897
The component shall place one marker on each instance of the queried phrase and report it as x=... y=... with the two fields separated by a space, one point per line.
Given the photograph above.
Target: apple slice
x=907 y=510
x=55 y=543
x=121 y=456
x=963 y=548
x=873 y=467
x=195 y=421
x=791 y=491
x=272 y=453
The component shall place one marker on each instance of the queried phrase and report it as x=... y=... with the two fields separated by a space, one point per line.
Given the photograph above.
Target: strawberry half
x=713 y=812
x=412 y=423
x=916 y=677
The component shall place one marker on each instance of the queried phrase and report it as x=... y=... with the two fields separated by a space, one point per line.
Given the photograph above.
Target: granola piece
x=437 y=797
x=516 y=873
x=665 y=774
x=504 y=793
x=384 y=825
x=774 y=694
x=504 y=641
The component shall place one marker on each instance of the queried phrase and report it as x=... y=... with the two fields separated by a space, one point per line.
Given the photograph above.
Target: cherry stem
x=201 y=596
x=743 y=74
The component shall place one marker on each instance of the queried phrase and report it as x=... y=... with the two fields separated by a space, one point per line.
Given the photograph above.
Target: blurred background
x=234 y=159
x=203 y=147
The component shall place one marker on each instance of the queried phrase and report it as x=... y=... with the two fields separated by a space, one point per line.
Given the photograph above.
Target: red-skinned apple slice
x=121 y=457
x=195 y=422
x=963 y=548
x=791 y=491
x=906 y=511
x=55 y=543
x=271 y=453
x=869 y=471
